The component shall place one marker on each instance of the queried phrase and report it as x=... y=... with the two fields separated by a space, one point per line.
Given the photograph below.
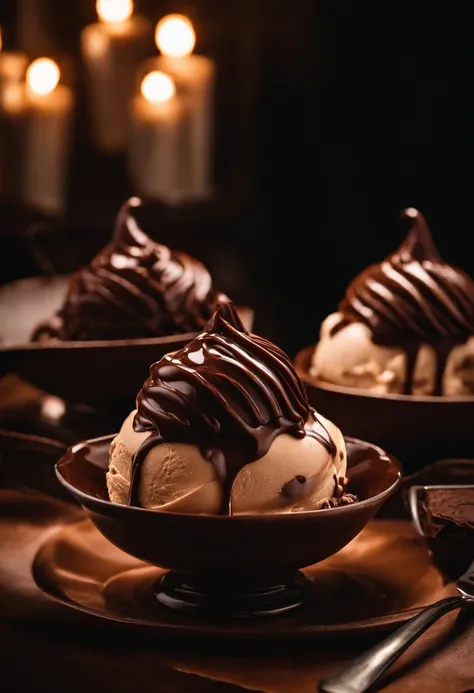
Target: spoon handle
x=363 y=671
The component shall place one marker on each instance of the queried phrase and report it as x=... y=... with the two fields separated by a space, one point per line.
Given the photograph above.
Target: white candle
x=112 y=49
x=194 y=76
x=156 y=140
x=47 y=141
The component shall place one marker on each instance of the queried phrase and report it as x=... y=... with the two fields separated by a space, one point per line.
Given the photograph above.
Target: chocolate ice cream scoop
x=134 y=288
x=225 y=422
x=413 y=303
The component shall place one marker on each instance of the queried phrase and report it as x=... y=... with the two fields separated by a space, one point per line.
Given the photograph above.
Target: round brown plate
x=97 y=373
x=379 y=580
x=417 y=429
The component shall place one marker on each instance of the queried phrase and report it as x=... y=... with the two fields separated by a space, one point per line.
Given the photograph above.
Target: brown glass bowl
x=105 y=373
x=238 y=565
x=417 y=429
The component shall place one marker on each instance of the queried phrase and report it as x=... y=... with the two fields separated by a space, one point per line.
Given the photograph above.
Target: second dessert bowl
x=89 y=337
x=395 y=362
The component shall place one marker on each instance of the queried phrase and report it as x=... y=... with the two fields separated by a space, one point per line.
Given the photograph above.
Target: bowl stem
x=222 y=596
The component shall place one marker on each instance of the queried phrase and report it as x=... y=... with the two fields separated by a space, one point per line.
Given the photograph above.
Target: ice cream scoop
x=223 y=426
x=134 y=288
x=405 y=325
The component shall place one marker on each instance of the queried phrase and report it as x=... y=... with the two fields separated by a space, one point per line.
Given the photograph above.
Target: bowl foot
x=223 y=598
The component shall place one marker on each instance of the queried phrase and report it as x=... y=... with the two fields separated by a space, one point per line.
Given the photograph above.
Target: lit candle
x=112 y=49
x=194 y=76
x=48 y=137
x=156 y=140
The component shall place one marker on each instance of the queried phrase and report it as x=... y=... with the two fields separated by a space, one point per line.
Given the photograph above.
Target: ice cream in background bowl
x=226 y=475
x=89 y=337
x=395 y=363
x=404 y=326
x=134 y=288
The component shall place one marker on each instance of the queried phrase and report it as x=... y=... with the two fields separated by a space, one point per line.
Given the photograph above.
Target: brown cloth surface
x=43 y=648
x=46 y=646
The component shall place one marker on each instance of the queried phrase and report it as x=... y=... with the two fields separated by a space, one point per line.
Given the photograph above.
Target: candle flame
x=157 y=87
x=1 y=39
x=42 y=76
x=175 y=36
x=114 y=10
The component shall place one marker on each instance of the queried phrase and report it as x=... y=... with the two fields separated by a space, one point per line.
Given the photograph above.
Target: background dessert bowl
x=95 y=372
x=394 y=363
x=243 y=564
x=90 y=336
x=418 y=429
x=404 y=326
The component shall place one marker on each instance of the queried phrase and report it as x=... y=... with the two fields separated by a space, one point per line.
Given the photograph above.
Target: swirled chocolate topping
x=134 y=288
x=229 y=392
x=413 y=297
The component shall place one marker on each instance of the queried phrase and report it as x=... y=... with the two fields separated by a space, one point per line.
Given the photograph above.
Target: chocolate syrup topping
x=229 y=392
x=134 y=288
x=413 y=297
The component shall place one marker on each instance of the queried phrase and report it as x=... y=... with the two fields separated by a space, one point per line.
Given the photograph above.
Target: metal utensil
x=364 y=671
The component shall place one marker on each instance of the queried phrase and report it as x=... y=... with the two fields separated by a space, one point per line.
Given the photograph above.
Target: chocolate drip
x=229 y=392
x=134 y=288
x=411 y=298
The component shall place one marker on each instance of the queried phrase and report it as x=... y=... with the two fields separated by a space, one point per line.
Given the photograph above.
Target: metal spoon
x=365 y=670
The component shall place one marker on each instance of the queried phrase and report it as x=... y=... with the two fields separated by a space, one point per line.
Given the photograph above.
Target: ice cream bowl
x=99 y=373
x=230 y=566
x=418 y=429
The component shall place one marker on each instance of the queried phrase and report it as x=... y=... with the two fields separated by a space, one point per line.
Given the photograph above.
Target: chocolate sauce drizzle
x=134 y=288
x=229 y=392
x=411 y=298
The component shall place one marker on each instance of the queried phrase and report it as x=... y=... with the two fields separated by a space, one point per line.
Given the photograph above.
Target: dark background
x=334 y=115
